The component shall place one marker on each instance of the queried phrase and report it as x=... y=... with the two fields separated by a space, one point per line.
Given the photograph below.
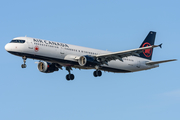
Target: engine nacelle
x=46 y=67
x=87 y=61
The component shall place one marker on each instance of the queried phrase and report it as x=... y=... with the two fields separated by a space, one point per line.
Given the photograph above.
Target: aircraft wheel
x=23 y=65
x=69 y=77
x=99 y=73
x=95 y=75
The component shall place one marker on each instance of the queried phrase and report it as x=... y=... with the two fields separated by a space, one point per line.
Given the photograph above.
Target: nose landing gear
x=24 y=60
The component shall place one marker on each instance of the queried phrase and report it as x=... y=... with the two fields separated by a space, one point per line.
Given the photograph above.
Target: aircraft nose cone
x=7 y=47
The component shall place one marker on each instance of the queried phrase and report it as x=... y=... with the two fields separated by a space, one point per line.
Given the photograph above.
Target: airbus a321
x=53 y=56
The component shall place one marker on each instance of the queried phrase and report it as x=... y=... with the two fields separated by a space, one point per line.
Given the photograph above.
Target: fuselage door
x=61 y=52
x=30 y=44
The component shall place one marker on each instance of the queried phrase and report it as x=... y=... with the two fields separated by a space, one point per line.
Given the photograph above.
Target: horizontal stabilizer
x=157 y=62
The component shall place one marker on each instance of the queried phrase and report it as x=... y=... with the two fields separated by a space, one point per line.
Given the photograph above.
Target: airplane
x=53 y=56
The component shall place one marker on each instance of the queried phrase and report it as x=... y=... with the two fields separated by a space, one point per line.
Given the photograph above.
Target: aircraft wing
x=104 y=58
x=157 y=62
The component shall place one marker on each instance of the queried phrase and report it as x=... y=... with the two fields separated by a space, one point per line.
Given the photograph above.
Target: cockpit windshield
x=17 y=41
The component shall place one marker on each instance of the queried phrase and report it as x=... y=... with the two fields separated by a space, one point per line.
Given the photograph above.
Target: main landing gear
x=97 y=73
x=24 y=60
x=69 y=76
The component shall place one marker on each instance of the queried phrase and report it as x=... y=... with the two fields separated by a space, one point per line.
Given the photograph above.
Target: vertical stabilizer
x=149 y=40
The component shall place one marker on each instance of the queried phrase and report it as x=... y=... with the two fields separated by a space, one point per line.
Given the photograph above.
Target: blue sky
x=103 y=24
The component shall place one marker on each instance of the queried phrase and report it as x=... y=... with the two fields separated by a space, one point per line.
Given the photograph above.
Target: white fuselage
x=67 y=55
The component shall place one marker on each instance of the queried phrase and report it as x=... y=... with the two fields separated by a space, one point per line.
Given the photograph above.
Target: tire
x=71 y=77
x=22 y=66
x=67 y=77
x=99 y=73
x=94 y=73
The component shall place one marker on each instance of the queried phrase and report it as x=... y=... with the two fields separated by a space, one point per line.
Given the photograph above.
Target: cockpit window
x=17 y=41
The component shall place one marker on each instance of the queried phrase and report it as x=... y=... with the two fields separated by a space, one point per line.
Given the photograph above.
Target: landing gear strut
x=69 y=76
x=24 y=60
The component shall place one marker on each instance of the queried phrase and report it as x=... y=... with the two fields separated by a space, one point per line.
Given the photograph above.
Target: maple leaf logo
x=147 y=52
x=36 y=48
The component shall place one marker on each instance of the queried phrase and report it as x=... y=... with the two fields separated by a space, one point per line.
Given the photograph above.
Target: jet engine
x=88 y=61
x=46 y=67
